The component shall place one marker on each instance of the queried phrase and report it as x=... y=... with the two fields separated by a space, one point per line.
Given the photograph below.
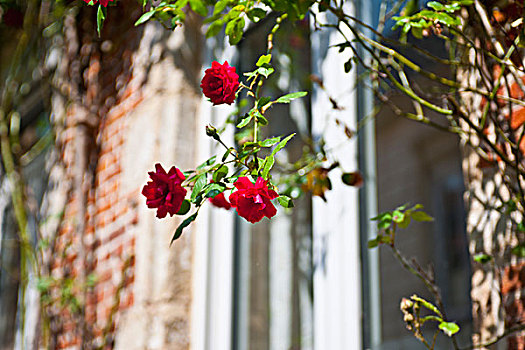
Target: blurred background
x=99 y=112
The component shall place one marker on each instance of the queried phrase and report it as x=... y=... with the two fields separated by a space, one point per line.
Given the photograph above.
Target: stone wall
x=137 y=105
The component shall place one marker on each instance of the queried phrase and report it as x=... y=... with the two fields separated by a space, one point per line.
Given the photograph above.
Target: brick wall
x=127 y=101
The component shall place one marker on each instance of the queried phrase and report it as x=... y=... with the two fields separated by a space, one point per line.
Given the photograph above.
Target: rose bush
x=102 y=2
x=253 y=201
x=220 y=83
x=165 y=191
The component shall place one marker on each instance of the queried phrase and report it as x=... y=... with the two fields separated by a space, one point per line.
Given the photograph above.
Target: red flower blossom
x=220 y=83
x=164 y=191
x=253 y=201
x=102 y=2
x=220 y=201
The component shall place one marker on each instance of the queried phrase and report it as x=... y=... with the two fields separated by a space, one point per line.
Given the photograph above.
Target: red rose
x=220 y=83
x=102 y=2
x=164 y=191
x=253 y=201
x=220 y=201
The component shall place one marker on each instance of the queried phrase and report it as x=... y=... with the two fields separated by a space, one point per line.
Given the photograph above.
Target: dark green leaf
x=373 y=243
x=226 y=154
x=182 y=226
x=263 y=101
x=256 y=14
x=348 y=66
x=352 y=179
x=261 y=119
x=220 y=173
x=385 y=239
x=184 y=208
x=200 y=182
x=208 y=162
x=214 y=189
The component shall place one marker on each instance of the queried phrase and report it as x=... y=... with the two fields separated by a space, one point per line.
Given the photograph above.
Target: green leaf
x=220 y=6
x=198 y=7
x=398 y=216
x=373 y=243
x=208 y=162
x=435 y=5
x=145 y=17
x=421 y=216
x=384 y=220
x=382 y=216
x=417 y=32
x=449 y=328
x=184 y=208
x=265 y=71
x=406 y=221
x=235 y=34
x=200 y=182
x=289 y=97
x=384 y=239
x=264 y=59
x=285 y=201
x=261 y=119
x=214 y=28
x=348 y=66
x=270 y=142
x=220 y=173
x=214 y=189
x=267 y=166
x=226 y=154
x=182 y=226
x=244 y=122
x=101 y=16
x=263 y=101
x=482 y=258
x=256 y=14
x=282 y=144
